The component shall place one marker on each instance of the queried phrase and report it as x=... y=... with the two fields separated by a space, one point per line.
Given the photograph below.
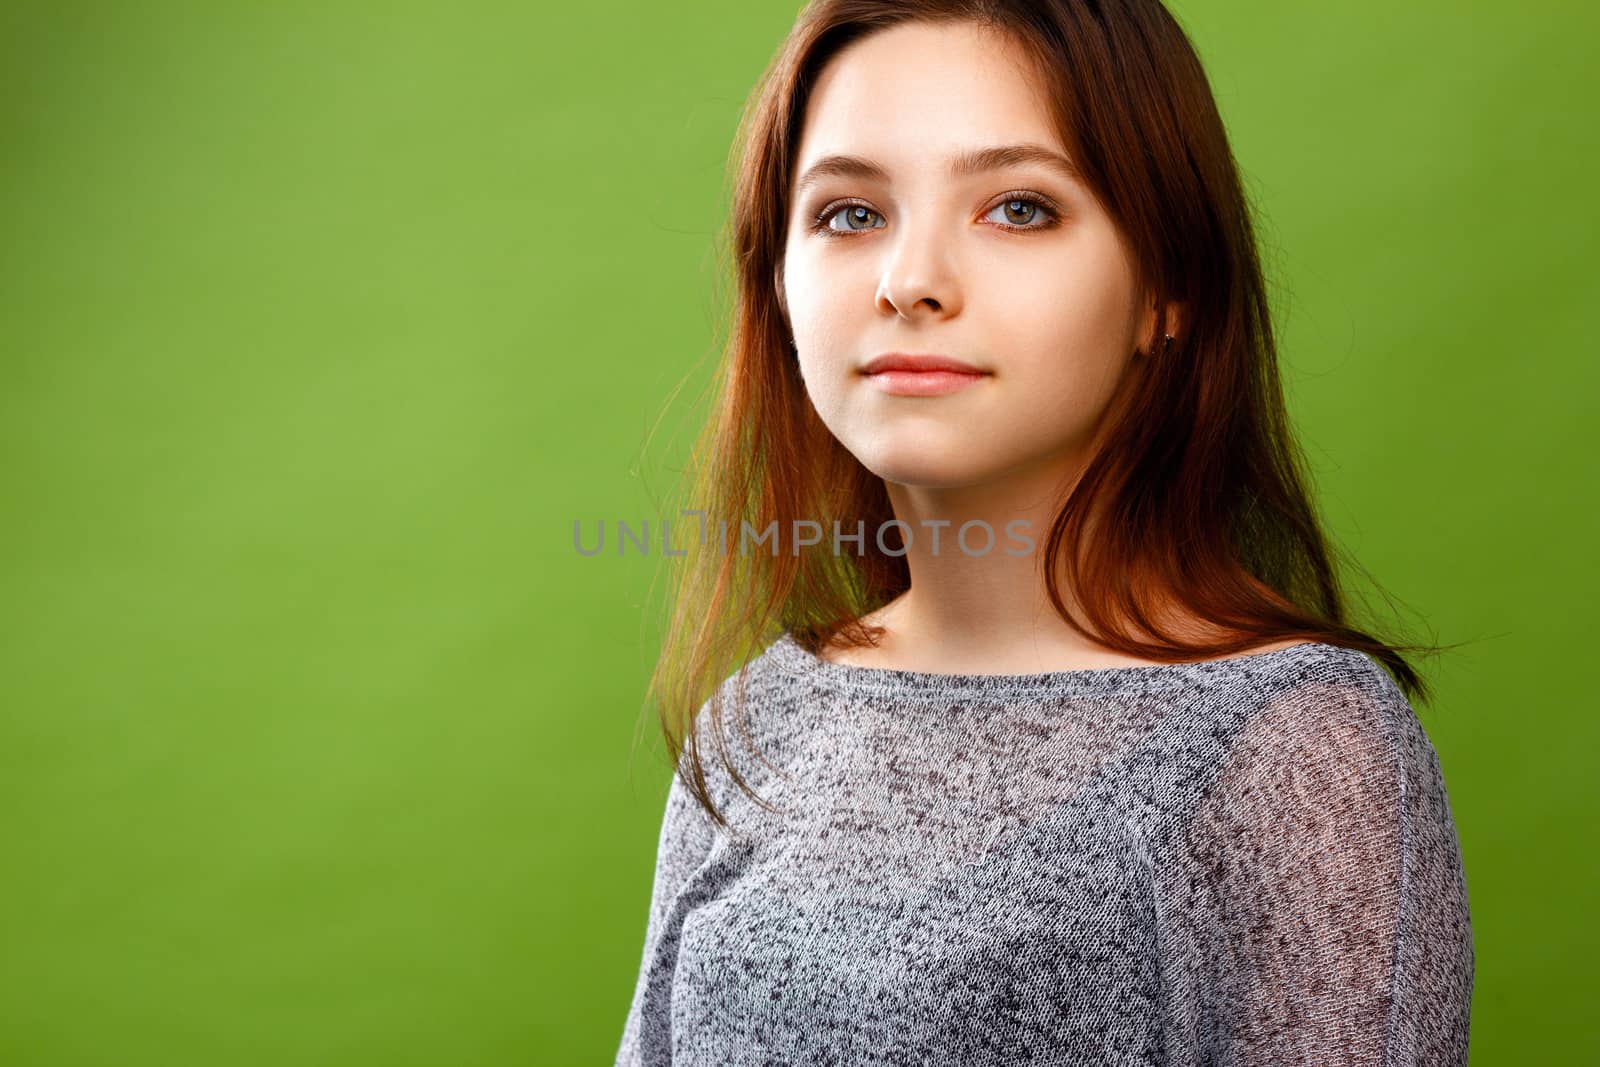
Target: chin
x=925 y=469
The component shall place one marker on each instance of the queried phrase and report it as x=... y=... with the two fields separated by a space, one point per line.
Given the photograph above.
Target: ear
x=1177 y=323
x=783 y=300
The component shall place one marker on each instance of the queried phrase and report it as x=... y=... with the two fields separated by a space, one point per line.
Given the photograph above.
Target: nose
x=918 y=278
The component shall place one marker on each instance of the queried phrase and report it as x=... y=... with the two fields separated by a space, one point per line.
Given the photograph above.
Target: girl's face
x=1009 y=265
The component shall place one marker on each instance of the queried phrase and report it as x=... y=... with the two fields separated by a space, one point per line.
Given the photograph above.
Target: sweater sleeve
x=1334 y=923
x=683 y=843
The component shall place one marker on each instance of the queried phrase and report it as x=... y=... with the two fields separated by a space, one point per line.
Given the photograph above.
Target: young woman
x=1055 y=745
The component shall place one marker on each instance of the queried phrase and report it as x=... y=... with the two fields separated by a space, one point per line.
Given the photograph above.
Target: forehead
x=921 y=89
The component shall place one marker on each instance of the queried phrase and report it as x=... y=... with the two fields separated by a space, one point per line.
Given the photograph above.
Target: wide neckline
x=793 y=658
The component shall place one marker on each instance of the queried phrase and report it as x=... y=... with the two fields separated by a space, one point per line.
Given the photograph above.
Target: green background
x=320 y=324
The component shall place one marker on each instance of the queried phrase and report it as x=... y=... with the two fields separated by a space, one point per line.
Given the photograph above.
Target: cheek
x=1063 y=320
x=827 y=314
x=818 y=291
x=801 y=270
x=1061 y=334
x=826 y=372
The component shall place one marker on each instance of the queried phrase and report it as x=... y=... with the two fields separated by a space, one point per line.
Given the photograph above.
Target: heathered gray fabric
x=1245 y=861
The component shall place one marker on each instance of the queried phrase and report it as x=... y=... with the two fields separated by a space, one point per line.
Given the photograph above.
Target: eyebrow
x=965 y=164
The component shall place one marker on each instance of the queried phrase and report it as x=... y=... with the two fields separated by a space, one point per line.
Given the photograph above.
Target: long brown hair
x=1204 y=507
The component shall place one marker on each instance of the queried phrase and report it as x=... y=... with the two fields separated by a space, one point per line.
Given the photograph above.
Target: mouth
x=907 y=362
x=900 y=374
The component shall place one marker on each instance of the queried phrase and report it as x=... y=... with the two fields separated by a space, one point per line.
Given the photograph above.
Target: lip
x=904 y=361
x=922 y=383
x=902 y=374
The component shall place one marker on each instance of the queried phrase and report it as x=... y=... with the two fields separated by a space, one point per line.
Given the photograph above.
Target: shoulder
x=753 y=715
x=1331 y=728
x=1320 y=685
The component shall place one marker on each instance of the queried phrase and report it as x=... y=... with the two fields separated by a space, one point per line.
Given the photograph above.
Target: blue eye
x=1021 y=212
x=852 y=214
x=1028 y=208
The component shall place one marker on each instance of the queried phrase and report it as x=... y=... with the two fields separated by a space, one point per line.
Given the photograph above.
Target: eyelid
x=1027 y=194
x=819 y=220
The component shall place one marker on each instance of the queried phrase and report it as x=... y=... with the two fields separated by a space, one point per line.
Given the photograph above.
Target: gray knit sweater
x=1244 y=861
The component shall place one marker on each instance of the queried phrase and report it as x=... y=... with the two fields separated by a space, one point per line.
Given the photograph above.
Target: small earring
x=1165 y=344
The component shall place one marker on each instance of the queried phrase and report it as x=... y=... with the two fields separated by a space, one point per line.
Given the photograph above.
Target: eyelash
x=819 y=224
